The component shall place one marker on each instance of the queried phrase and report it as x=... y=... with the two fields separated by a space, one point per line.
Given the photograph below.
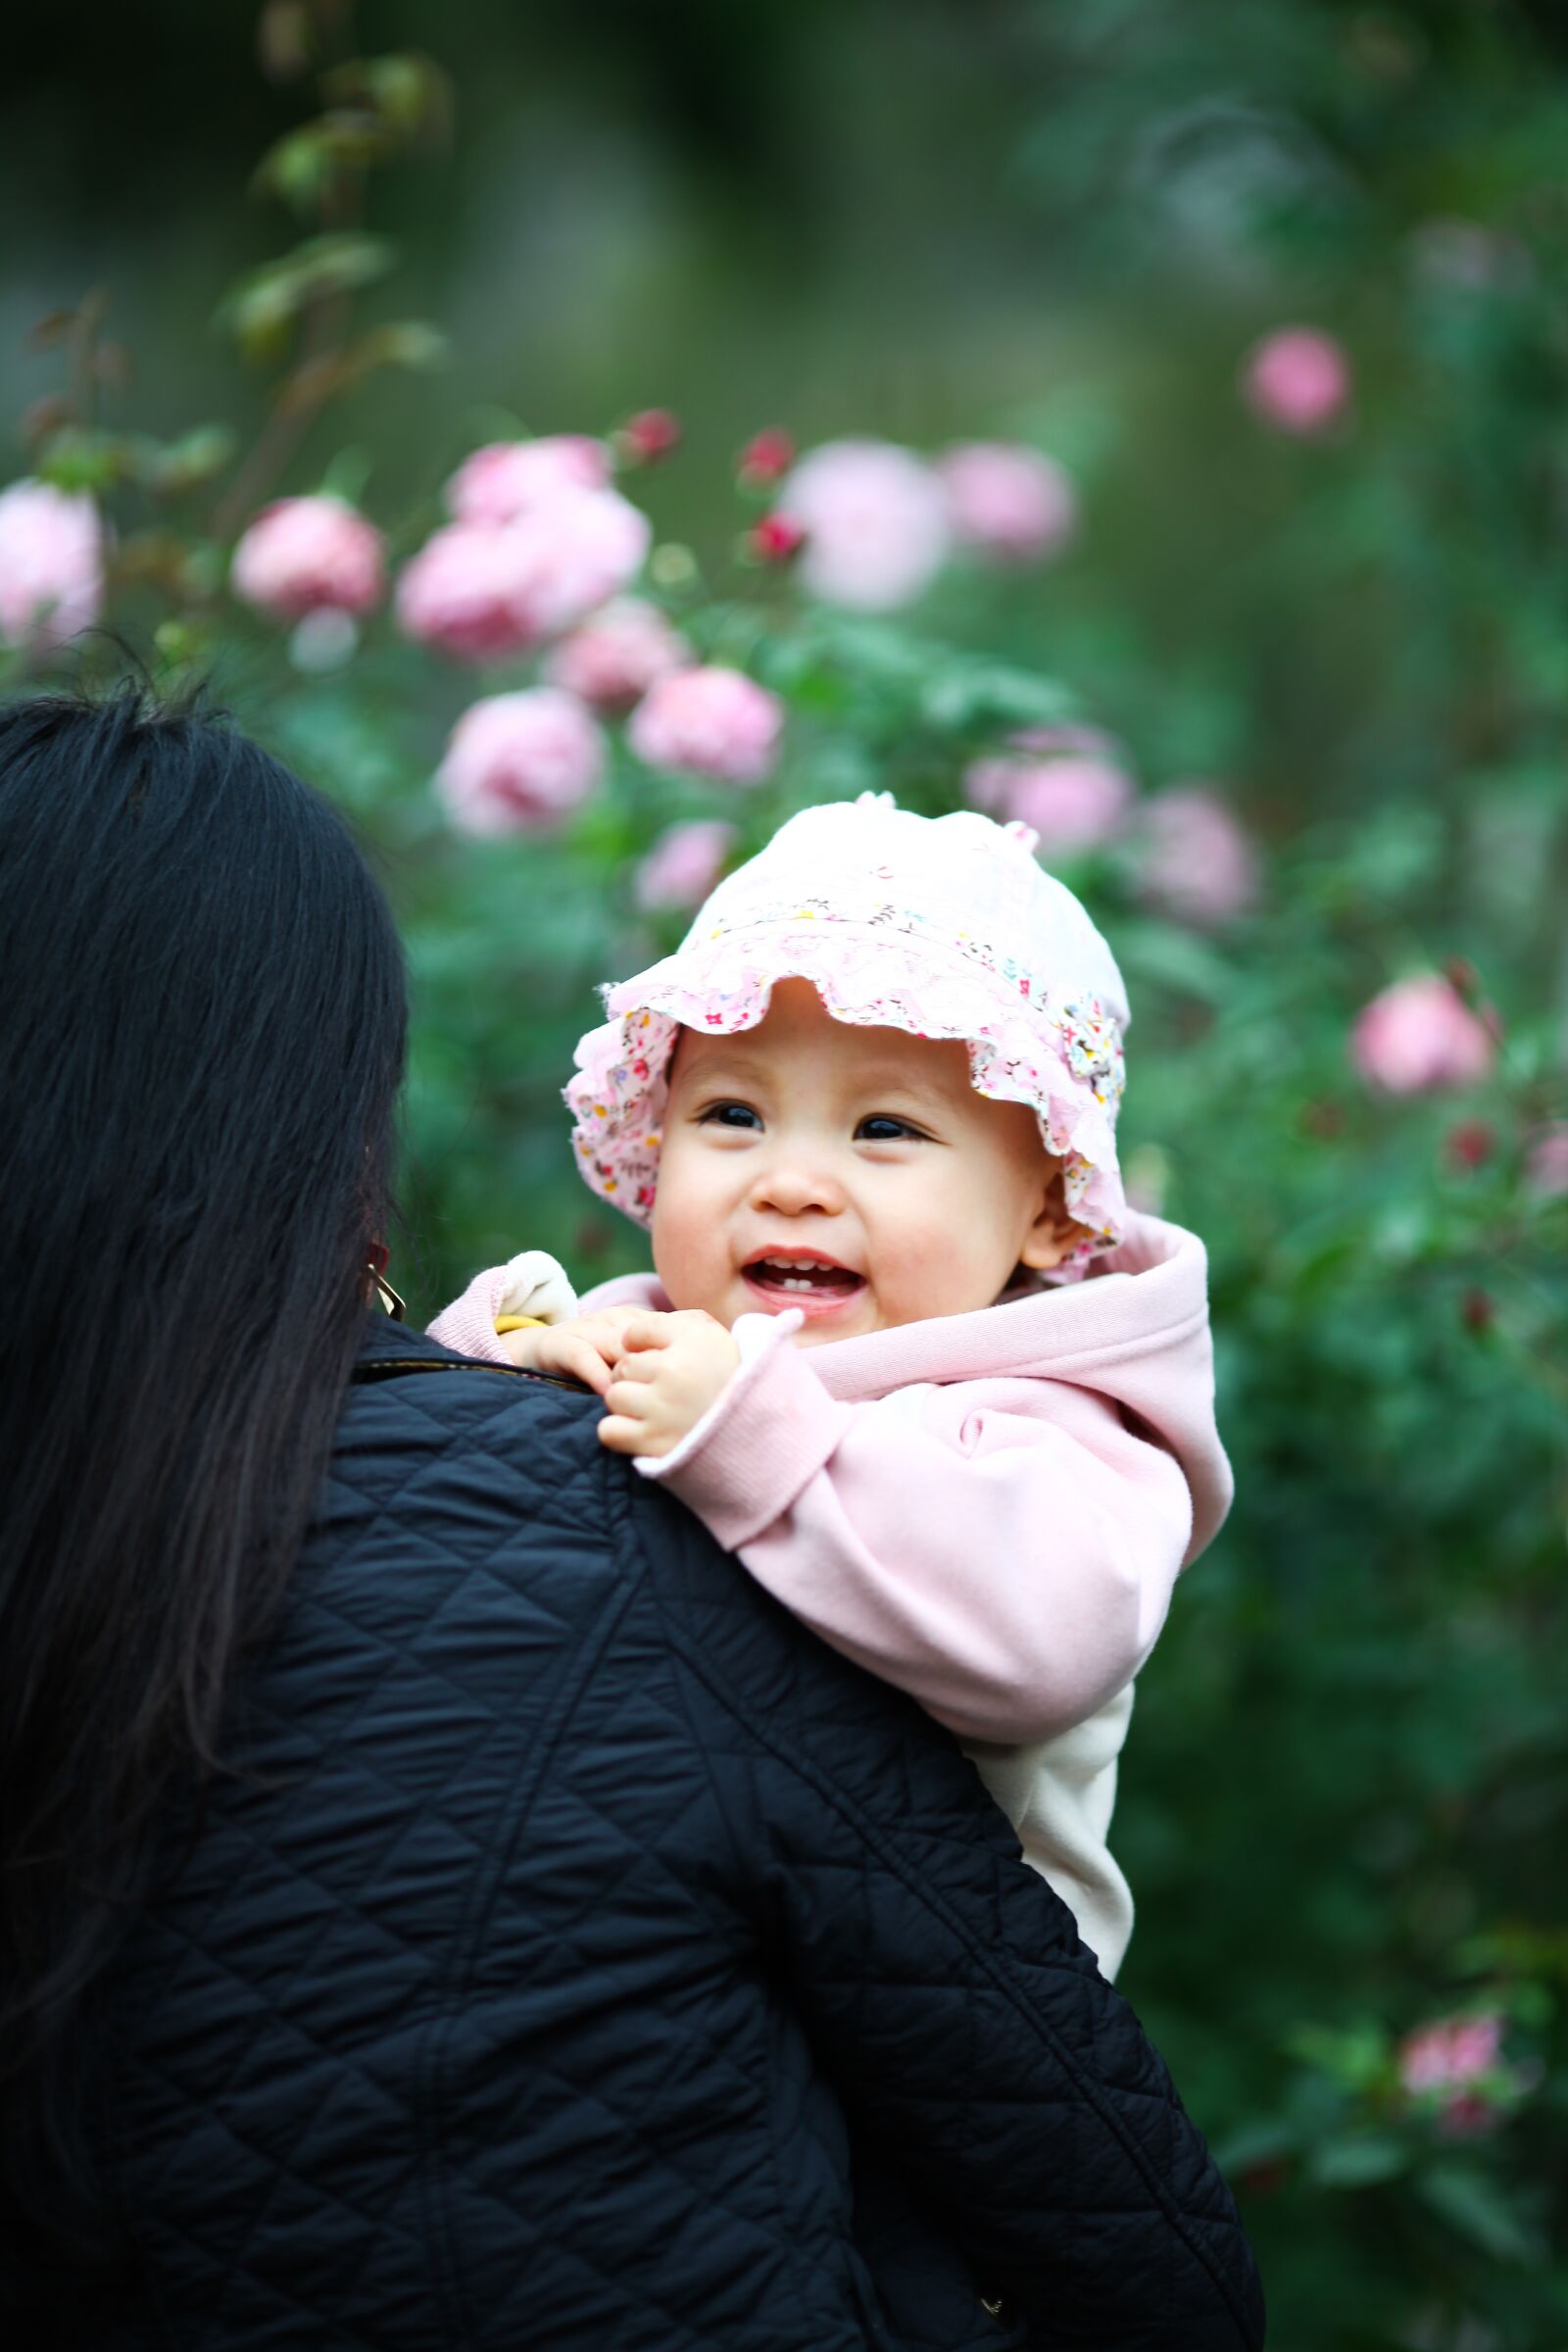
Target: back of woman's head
x=202 y=1017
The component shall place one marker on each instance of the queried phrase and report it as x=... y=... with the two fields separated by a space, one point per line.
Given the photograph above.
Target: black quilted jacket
x=591 y=1962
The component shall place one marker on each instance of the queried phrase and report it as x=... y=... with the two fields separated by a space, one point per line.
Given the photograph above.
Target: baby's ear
x=1055 y=1234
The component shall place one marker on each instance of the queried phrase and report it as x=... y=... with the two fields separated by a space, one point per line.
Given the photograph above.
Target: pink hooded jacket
x=987 y=1509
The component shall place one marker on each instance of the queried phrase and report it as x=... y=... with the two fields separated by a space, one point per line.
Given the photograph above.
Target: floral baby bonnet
x=945 y=927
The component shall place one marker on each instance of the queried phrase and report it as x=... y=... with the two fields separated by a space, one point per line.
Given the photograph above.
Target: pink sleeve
x=468 y=1325
x=1003 y=1550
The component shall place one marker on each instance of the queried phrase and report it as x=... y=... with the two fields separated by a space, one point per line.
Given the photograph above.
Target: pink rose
x=466 y=592
x=875 y=520
x=1065 y=783
x=587 y=545
x=518 y=762
x=612 y=658
x=1194 y=860
x=1451 y=2055
x=51 y=565
x=683 y=864
x=1418 y=1036
x=1546 y=1163
x=709 y=722
x=509 y=478
x=1298 y=379
x=1008 y=501
x=484 y=591
x=308 y=555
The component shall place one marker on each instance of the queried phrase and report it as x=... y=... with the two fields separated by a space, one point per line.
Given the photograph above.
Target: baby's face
x=854 y=1173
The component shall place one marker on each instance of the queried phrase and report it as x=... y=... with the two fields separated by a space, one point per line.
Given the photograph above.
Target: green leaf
x=1362 y=2161
x=262 y=306
x=406 y=91
x=171 y=467
x=1163 y=956
x=74 y=459
x=306 y=164
x=1476 y=2206
x=985 y=694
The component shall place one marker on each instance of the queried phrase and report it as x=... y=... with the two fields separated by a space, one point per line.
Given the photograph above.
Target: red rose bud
x=1479 y=1310
x=648 y=436
x=766 y=458
x=1469 y=1144
x=776 y=539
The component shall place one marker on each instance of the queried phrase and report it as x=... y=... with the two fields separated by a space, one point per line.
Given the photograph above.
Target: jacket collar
x=382 y=1341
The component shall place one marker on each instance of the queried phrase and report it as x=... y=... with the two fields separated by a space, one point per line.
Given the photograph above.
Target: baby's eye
x=729 y=1115
x=882 y=1128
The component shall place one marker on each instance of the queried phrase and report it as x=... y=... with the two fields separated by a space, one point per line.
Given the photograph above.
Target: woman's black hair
x=202 y=1022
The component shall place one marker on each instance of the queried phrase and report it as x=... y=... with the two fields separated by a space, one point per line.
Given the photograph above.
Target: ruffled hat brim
x=1065 y=1060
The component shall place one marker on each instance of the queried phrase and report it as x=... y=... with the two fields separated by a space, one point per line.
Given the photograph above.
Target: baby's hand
x=672 y=1369
x=587 y=1349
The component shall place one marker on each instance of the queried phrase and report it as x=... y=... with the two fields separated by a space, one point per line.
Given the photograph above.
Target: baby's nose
x=791 y=1186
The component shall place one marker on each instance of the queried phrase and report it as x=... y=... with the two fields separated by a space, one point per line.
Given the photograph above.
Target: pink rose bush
x=875 y=520
x=709 y=722
x=683 y=865
x=1419 y=1036
x=485 y=591
x=1066 y=783
x=51 y=565
x=1297 y=379
x=612 y=658
x=519 y=762
x=1008 y=501
x=507 y=480
x=1193 y=858
x=310 y=555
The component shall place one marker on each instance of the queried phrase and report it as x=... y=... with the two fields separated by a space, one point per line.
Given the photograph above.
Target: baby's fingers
x=645 y=1327
x=570 y=1356
x=621 y=1435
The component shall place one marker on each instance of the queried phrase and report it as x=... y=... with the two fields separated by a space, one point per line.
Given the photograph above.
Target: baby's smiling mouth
x=802 y=1278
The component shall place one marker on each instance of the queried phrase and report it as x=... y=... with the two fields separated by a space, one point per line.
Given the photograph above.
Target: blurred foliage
x=1344 y=1800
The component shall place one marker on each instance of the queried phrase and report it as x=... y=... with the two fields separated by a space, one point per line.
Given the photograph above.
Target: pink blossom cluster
x=683 y=864
x=1448 y=2061
x=1191 y=855
x=519 y=762
x=875 y=522
x=1008 y=501
x=507 y=480
x=1297 y=379
x=310 y=555
x=482 y=591
x=1067 y=784
x=1419 y=1037
x=1193 y=858
x=1448 y=2055
x=711 y=722
x=51 y=565
x=617 y=654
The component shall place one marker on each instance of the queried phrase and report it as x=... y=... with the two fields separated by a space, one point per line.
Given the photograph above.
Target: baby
x=906 y=1351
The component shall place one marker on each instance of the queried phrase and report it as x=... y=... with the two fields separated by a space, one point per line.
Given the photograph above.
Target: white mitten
x=536 y=1289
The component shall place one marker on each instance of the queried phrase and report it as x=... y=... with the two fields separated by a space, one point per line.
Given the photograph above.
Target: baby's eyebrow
x=716 y=1062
